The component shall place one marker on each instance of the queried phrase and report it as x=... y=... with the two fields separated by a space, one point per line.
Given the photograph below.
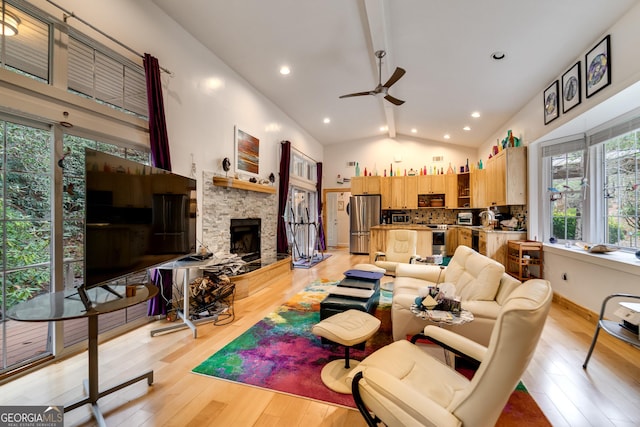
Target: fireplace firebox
x=245 y=238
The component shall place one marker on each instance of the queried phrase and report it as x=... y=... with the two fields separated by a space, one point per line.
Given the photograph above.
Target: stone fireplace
x=220 y=205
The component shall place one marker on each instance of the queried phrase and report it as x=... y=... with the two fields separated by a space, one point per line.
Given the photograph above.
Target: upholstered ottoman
x=359 y=290
x=349 y=328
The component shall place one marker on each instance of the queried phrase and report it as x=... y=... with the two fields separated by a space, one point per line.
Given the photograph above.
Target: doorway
x=336 y=219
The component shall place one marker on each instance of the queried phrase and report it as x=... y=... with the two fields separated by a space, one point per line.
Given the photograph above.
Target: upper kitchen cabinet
x=365 y=185
x=386 y=193
x=431 y=184
x=506 y=178
x=404 y=192
x=478 y=185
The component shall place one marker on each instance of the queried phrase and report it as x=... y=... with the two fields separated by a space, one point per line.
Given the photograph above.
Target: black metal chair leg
x=355 y=391
x=593 y=344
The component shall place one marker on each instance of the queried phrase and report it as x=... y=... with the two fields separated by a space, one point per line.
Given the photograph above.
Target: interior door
x=332 y=219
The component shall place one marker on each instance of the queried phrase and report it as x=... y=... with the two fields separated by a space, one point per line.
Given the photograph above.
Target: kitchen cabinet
x=431 y=184
x=452 y=241
x=404 y=192
x=478 y=186
x=507 y=177
x=465 y=236
x=451 y=191
x=365 y=185
x=494 y=243
x=385 y=193
x=525 y=259
x=459 y=190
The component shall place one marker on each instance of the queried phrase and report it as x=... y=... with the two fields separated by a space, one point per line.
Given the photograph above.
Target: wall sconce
x=8 y=23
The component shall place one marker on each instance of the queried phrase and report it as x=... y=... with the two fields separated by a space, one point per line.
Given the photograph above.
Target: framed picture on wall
x=247 y=152
x=598 y=67
x=571 y=88
x=551 y=103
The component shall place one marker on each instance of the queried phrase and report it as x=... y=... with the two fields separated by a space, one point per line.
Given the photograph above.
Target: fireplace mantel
x=242 y=185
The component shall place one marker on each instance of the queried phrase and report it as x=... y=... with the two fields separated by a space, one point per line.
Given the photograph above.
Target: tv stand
x=92 y=303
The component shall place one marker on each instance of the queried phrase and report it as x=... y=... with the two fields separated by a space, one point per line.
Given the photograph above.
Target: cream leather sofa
x=480 y=281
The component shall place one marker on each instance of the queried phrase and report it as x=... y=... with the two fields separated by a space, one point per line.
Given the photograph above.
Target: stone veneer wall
x=220 y=204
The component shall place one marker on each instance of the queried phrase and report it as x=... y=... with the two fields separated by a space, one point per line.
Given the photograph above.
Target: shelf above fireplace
x=220 y=181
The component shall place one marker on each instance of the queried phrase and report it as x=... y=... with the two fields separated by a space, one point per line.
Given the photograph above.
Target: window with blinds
x=28 y=50
x=98 y=75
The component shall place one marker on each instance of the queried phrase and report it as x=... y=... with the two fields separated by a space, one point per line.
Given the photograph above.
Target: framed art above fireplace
x=247 y=149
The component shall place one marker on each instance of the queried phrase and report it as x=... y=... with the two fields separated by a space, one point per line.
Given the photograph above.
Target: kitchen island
x=489 y=242
x=378 y=238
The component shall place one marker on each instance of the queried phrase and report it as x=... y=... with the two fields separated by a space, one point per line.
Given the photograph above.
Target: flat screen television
x=136 y=217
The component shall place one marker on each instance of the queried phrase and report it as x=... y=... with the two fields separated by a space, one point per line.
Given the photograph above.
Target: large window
x=26 y=233
x=302 y=206
x=42 y=168
x=593 y=185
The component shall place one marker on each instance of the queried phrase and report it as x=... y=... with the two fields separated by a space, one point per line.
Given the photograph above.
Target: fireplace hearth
x=245 y=238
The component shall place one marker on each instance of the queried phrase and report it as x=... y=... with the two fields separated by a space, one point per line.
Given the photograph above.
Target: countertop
x=449 y=226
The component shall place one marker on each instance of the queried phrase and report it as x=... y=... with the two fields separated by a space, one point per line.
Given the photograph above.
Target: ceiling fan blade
x=399 y=72
x=356 y=94
x=393 y=100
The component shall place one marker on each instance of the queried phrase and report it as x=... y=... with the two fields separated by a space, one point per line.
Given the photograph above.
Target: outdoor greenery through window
x=567 y=195
x=621 y=178
x=26 y=212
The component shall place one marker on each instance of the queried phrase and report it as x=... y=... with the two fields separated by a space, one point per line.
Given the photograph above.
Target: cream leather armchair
x=480 y=281
x=400 y=248
x=401 y=385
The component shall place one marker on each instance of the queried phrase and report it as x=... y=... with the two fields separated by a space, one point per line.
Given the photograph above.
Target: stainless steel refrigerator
x=364 y=213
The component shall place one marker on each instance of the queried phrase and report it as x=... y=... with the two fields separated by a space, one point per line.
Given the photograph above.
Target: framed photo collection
x=597 y=76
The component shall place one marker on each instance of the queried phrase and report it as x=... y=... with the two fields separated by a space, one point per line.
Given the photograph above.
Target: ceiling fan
x=382 y=88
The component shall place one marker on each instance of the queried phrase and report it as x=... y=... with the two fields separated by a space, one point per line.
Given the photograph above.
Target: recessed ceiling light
x=384 y=128
x=414 y=130
x=498 y=56
x=284 y=70
x=475 y=114
x=466 y=128
x=327 y=120
x=447 y=136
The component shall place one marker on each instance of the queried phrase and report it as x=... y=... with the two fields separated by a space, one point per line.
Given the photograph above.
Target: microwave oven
x=400 y=219
x=465 y=218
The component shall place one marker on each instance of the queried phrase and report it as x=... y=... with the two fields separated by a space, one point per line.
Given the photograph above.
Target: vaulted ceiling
x=445 y=47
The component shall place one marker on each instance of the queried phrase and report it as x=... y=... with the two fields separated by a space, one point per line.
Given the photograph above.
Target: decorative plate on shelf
x=596 y=248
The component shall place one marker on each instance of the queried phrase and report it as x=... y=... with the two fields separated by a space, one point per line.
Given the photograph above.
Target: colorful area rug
x=280 y=353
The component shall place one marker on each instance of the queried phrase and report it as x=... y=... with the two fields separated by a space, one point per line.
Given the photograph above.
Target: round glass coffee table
x=442 y=318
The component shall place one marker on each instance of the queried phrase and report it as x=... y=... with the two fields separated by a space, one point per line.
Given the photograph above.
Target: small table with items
x=441 y=318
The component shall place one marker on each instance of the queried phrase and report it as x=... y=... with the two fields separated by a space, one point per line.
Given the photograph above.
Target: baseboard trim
x=581 y=311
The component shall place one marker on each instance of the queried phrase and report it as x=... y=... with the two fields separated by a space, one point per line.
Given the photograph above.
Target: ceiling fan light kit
x=382 y=88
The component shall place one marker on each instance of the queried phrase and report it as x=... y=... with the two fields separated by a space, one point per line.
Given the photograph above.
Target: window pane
x=567 y=196
x=620 y=193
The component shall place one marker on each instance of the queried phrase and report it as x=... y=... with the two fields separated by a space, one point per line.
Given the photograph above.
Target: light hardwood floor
x=606 y=394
